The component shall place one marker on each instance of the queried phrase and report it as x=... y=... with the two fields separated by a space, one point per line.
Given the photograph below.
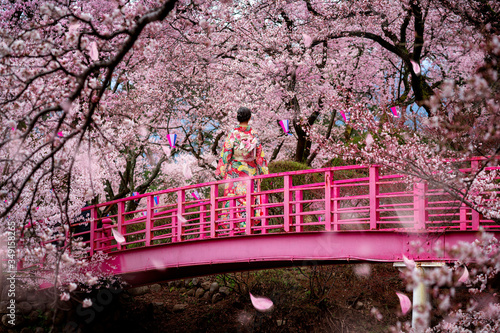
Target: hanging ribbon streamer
x=196 y=195
x=156 y=200
x=172 y=138
x=345 y=116
x=285 y=125
x=60 y=134
x=396 y=111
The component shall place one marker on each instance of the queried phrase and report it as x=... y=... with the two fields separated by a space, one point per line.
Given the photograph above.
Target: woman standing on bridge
x=241 y=156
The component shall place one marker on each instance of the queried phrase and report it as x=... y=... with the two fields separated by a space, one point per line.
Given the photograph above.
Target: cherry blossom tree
x=58 y=61
x=90 y=89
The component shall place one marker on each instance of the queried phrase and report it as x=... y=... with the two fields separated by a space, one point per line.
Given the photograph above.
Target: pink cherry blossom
x=64 y=297
x=87 y=303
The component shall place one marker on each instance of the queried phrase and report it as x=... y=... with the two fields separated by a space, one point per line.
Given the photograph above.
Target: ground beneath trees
x=318 y=299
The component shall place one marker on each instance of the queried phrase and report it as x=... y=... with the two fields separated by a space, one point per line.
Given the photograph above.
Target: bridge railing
x=348 y=198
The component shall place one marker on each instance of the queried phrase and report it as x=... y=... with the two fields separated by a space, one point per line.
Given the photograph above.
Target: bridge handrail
x=371 y=202
x=225 y=181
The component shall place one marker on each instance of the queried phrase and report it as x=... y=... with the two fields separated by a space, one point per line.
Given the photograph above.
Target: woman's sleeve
x=260 y=159
x=225 y=156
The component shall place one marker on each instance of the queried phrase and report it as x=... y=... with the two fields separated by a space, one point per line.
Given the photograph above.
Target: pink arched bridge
x=339 y=214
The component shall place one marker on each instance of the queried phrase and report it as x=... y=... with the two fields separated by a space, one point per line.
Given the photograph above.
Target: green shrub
x=286 y=166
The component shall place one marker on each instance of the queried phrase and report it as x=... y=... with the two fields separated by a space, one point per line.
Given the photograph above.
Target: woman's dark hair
x=244 y=114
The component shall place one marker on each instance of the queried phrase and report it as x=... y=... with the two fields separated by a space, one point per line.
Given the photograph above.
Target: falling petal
x=416 y=67
x=143 y=130
x=118 y=236
x=245 y=318
x=181 y=218
x=157 y=264
x=465 y=275
x=262 y=304
x=186 y=171
x=369 y=141
x=73 y=27
x=45 y=285
x=93 y=52
x=166 y=150
x=66 y=105
x=405 y=302
x=87 y=303
x=151 y=158
x=362 y=270
x=307 y=40
x=376 y=313
x=410 y=264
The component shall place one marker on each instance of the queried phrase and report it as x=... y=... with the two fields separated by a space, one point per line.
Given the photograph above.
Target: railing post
x=463 y=217
x=214 y=193
x=420 y=205
x=248 y=208
x=120 y=220
x=181 y=196
x=335 y=211
x=203 y=216
x=232 y=216
x=374 y=200
x=475 y=214
x=287 y=195
x=299 y=208
x=265 y=212
x=93 y=221
x=149 y=220
x=328 y=199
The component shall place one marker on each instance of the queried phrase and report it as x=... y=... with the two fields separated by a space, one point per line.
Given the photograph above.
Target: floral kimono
x=241 y=156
